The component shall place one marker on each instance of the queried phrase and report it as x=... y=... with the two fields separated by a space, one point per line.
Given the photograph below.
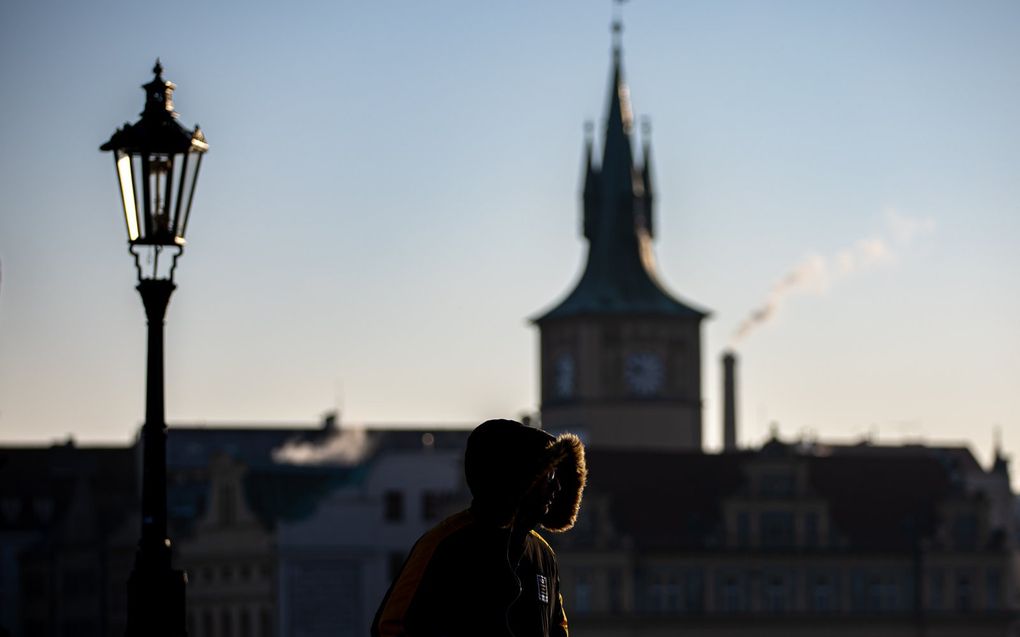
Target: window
x=656 y=593
x=885 y=594
x=777 y=529
x=430 y=505
x=937 y=589
x=776 y=594
x=965 y=531
x=822 y=596
x=811 y=530
x=581 y=599
x=393 y=506
x=732 y=594
x=615 y=581
x=694 y=591
x=672 y=594
x=859 y=591
x=993 y=589
x=964 y=603
x=226 y=623
x=743 y=529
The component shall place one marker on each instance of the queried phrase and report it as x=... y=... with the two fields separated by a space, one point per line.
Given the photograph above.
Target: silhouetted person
x=485 y=572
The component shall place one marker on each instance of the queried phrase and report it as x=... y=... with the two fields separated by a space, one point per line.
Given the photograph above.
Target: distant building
x=788 y=539
x=784 y=540
x=336 y=565
x=226 y=496
x=292 y=530
x=66 y=542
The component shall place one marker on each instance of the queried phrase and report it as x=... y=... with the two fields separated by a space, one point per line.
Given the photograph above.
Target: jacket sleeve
x=558 y=625
x=413 y=606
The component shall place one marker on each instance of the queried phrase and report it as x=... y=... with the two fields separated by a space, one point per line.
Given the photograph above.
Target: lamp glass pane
x=160 y=169
x=127 y=193
x=181 y=171
x=189 y=180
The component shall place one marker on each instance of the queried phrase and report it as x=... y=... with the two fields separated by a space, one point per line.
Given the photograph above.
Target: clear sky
x=392 y=190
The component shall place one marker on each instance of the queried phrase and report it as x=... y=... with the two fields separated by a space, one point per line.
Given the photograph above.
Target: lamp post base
x=156 y=603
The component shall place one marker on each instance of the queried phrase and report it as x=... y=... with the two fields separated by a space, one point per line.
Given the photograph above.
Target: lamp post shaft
x=155 y=590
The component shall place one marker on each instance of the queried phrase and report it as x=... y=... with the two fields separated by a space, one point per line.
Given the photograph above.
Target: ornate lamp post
x=157 y=162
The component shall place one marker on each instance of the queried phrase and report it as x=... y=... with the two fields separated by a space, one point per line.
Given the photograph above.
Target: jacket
x=476 y=574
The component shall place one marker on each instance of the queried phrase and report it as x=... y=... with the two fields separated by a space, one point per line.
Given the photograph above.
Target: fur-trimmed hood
x=505 y=458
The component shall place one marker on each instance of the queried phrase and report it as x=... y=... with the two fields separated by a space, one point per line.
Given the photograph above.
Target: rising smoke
x=347 y=447
x=817 y=273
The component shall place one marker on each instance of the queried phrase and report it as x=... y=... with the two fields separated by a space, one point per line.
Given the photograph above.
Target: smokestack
x=729 y=390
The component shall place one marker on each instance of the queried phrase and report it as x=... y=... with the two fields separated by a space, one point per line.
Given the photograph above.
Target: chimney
x=729 y=391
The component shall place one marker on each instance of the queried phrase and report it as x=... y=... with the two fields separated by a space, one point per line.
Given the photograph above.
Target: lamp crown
x=159 y=93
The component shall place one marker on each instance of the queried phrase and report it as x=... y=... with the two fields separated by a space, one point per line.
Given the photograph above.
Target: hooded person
x=486 y=572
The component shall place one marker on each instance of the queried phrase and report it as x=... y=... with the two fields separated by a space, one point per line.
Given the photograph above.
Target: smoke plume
x=347 y=447
x=817 y=273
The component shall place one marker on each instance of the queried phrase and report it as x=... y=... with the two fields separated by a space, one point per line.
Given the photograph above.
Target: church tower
x=620 y=355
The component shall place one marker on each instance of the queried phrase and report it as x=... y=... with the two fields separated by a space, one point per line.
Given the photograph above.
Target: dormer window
x=778 y=484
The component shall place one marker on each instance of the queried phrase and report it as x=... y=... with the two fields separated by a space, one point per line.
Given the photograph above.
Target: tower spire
x=590 y=194
x=617 y=29
x=647 y=193
x=619 y=276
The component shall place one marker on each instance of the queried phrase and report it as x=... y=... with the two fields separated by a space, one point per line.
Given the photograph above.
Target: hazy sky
x=392 y=190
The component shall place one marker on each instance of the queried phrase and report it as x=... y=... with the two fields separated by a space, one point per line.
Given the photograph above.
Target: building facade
x=792 y=540
x=336 y=565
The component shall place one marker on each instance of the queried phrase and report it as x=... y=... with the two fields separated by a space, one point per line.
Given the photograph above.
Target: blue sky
x=392 y=188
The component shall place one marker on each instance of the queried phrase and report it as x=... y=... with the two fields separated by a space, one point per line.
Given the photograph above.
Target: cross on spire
x=617 y=25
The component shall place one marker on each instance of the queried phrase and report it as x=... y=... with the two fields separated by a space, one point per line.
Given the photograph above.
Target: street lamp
x=157 y=162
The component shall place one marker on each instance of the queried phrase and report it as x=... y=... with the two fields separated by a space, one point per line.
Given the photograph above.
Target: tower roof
x=619 y=276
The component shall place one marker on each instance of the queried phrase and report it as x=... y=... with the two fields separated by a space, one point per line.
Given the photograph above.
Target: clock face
x=563 y=376
x=644 y=373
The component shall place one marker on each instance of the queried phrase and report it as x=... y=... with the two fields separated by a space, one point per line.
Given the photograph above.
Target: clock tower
x=620 y=355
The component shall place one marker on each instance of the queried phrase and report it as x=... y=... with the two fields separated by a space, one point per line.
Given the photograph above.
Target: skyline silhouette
x=390 y=195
